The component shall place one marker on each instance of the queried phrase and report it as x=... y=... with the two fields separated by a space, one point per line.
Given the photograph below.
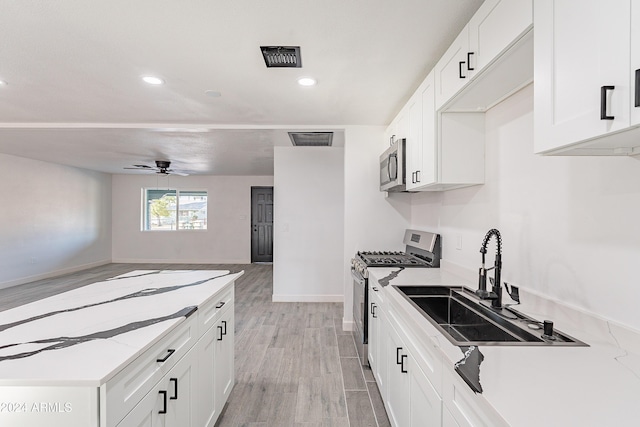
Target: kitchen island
x=119 y=352
x=598 y=385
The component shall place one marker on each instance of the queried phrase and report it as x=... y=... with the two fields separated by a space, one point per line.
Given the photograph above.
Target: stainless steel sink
x=466 y=321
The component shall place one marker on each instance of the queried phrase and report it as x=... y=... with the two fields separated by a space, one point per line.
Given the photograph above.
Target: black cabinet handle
x=373 y=311
x=637 y=103
x=372 y=304
x=398 y=350
x=164 y=400
x=460 y=66
x=224 y=324
x=404 y=371
x=222 y=303
x=175 y=388
x=169 y=353
x=417 y=177
x=220 y=329
x=375 y=289
x=469 y=67
x=603 y=102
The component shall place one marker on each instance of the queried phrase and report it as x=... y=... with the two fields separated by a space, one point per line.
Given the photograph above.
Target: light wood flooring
x=294 y=364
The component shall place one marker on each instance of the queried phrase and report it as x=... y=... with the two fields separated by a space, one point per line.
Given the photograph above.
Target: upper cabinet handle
x=469 y=67
x=460 y=66
x=637 y=103
x=603 y=102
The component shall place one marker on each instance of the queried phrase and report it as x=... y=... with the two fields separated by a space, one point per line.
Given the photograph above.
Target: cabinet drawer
x=127 y=388
x=209 y=314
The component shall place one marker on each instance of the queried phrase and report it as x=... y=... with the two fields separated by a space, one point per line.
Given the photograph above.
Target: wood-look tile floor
x=294 y=364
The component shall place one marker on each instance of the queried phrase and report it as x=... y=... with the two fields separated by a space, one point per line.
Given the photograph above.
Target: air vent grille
x=281 y=56
x=311 y=139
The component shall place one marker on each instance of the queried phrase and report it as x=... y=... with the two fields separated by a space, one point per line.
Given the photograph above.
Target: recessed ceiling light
x=213 y=93
x=3 y=83
x=153 y=80
x=307 y=81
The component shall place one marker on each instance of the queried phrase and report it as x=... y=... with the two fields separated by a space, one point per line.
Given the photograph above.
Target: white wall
x=569 y=224
x=308 y=223
x=55 y=219
x=227 y=239
x=372 y=220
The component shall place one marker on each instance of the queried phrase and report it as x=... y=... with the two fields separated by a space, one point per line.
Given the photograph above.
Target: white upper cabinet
x=490 y=59
x=585 y=81
x=451 y=72
x=494 y=27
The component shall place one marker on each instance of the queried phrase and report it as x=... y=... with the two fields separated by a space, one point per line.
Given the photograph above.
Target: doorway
x=261 y=224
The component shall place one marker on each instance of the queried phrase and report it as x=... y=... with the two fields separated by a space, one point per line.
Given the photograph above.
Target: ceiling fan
x=161 y=168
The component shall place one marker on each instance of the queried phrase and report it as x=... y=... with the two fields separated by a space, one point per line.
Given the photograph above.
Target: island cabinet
x=148 y=348
x=196 y=387
x=587 y=77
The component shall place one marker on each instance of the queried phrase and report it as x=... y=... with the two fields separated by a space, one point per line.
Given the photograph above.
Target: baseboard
x=307 y=298
x=348 y=325
x=178 y=261
x=53 y=273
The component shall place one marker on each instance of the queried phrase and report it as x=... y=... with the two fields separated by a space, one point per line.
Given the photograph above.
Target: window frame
x=145 y=219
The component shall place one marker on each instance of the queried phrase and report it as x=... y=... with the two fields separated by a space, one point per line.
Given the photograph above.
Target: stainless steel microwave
x=392 y=167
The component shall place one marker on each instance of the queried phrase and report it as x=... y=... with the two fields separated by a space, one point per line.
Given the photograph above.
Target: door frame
x=257 y=187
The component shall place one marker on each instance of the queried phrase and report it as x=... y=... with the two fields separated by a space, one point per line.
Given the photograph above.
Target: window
x=174 y=210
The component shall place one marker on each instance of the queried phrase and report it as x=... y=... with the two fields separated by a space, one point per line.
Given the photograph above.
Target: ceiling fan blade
x=179 y=173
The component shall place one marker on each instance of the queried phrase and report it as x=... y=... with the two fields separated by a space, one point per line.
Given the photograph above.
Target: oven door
x=360 y=315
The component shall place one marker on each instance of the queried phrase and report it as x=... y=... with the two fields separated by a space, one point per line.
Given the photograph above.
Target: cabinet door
x=429 y=152
x=495 y=26
x=398 y=382
x=223 y=356
x=447 y=418
x=635 y=64
x=426 y=404
x=414 y=142
x=581 y=47
x=207 y=409
x=451 y=70
x=372 y=345
x=170 y=402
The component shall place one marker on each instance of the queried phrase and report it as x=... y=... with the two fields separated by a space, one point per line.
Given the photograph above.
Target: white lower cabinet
x=171 y=402
x=377 y=337
x=411 y=400
x=195 y=386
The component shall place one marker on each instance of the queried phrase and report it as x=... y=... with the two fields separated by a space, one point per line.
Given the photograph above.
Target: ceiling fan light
x=307 y=81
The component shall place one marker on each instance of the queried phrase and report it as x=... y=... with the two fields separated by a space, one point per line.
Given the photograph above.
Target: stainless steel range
x=423 y=250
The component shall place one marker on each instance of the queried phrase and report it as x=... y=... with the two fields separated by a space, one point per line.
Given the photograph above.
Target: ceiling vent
x=311 y=139
x=281 y=56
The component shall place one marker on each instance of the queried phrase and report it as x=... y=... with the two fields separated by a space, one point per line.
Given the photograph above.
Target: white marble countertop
x=537 y=386
x=85 y=336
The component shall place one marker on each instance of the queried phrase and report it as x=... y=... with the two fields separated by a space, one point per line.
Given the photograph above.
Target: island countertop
x=85 y=336
x=597 y=385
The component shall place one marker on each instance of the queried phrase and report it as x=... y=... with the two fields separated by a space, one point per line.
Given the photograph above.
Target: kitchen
x=566 y=222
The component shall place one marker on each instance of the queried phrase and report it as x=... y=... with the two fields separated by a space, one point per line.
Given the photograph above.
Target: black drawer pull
x=603 y=102
x=175 y=388
x=164 y=400
x=460 y=66
x=404 y=371
x=220 y=304
x=375 y=289
x=469 y=67
x=220 y=329
x=373 y=311
x=169 y=353
x=224 y=324
x=398 y=350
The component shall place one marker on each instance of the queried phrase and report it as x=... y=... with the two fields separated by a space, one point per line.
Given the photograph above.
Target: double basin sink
x=466 y=321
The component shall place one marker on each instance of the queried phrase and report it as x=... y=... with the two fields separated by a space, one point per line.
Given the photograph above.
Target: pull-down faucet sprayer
x=496 y=289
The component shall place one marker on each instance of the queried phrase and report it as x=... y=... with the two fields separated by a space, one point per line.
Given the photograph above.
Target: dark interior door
x=261 y=224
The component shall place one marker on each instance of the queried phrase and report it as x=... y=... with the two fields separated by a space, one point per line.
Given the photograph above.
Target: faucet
x=496 y=288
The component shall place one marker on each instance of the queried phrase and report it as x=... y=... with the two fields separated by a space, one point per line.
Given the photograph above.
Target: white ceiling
x=74 y=94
